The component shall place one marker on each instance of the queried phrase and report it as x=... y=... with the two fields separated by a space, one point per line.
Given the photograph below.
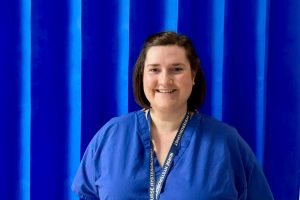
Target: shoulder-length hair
x=164 y=39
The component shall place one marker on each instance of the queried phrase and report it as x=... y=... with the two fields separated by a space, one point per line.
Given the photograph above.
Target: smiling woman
x=168 y=79
x=168 y=150
x=66 y=69
x=176 y=53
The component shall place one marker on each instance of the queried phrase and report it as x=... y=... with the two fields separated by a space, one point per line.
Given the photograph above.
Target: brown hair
x=163 y=39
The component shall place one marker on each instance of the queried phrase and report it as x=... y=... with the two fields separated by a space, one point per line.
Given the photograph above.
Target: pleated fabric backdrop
x=66 y=68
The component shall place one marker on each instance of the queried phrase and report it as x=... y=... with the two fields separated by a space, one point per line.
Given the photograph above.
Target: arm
x=84 y=182
x=257 y=186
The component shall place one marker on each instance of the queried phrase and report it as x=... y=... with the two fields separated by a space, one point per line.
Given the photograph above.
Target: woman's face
x=168 y=79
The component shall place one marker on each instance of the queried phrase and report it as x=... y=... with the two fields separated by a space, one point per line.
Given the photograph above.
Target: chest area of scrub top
x=124 y=169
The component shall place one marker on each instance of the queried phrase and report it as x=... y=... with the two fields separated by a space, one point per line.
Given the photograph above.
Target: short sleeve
x=257 y=187
x=84 y=182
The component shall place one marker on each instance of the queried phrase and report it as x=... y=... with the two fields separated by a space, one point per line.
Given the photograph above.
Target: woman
x=168 y=150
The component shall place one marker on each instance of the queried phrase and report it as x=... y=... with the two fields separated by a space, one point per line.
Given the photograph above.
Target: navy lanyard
x=155 y=188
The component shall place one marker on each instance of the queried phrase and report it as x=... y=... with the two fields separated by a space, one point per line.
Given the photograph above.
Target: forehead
x=166 y=52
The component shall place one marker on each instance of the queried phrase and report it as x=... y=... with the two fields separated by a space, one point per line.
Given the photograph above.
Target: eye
x=153 y=70
x=177 y=69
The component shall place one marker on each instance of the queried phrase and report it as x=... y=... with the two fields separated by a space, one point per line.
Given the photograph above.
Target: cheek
x=147 y=81
x=146 y=86
x=186 y=81
x=186 y=85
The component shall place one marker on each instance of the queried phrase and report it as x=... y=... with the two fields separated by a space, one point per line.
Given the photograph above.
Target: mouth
x=165 y=91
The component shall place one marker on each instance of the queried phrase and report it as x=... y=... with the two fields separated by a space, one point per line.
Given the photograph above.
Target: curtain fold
x=50 y=111
x=240 y=68
x=10 y=99
x=66 y=69
x=283 y=96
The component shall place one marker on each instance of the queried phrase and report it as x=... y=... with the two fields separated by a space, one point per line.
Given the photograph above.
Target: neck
x=167 y=122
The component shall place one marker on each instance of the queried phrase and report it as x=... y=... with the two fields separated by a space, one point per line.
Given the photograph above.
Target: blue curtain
x=66 y=68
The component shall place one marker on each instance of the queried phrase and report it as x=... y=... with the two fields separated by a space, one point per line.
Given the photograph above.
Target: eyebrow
x=157 y=65
x=152 y=65
x=176 y=64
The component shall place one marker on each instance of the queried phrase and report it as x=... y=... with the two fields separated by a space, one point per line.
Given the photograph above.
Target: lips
x=165 y=90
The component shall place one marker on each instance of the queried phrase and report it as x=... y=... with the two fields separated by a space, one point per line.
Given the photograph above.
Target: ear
x=194 y=73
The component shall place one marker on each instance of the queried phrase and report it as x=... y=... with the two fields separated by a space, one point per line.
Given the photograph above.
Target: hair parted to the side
x=163 y=39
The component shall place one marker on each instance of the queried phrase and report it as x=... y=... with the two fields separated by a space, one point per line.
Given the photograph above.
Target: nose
x=165 y=78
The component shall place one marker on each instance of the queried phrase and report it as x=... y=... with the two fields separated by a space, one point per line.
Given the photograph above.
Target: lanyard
x=155 y=188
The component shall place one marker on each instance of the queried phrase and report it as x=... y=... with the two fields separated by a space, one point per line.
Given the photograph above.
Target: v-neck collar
x=144 y=132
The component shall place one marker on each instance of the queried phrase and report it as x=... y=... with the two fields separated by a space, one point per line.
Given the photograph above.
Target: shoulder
x=123 y=121
x=126 y=119
x=225 y=143
x=218 y=129
x=117 y=127
x=225 y=135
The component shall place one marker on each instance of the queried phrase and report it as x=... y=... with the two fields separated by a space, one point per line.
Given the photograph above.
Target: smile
x=165 y=90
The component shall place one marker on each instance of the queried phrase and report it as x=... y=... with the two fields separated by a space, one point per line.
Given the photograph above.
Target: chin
x=166 y=108
x=161 y=107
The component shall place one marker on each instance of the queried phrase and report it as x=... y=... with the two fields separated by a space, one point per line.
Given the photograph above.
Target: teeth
x=166 y=91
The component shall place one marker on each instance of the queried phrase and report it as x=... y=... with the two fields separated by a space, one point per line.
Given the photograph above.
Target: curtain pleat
x=10 y=99
x=217 y=58
x=74 y=91
x=282 y=143
x=123 y=59
x=261 y=31
x=99 y=64
x=239 y=68
x=25 y=100
x=50 y=110
x=66 y=68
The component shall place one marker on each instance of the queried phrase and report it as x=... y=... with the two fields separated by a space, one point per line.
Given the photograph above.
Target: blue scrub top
x=213 y=162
